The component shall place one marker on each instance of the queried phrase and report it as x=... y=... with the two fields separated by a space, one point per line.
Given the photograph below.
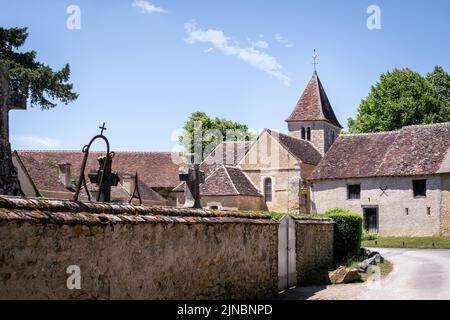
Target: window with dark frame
x=354 y=191
x=303 y=133
x=268 y=190
x=420 y=188
x=308 y=134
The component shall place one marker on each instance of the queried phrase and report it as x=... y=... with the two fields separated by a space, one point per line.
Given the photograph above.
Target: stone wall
x=323 y=134
x=314 y=244
x=267 y=159
x=445 y=204
x=394 y=219
x=132 y=252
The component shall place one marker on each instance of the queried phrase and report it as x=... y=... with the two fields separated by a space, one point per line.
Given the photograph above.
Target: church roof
x=228 y=181
x=412 y=150
x=227 y=153
x=302 y=150
x=155 y=169
x=314 y=104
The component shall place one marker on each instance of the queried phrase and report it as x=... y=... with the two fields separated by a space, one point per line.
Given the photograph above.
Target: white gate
x=287 y=273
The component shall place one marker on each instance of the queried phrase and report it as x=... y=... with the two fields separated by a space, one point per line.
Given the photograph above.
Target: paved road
x=419 y=274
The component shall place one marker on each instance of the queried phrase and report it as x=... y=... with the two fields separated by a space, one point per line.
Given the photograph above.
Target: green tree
x=440 y=80
x=31 y=78
x=401 y=97
x=201 y=128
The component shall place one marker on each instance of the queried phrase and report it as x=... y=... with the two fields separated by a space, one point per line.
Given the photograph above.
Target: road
x=419 y=274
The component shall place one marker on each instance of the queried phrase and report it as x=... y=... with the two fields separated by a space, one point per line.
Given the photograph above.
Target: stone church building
x=275 y=167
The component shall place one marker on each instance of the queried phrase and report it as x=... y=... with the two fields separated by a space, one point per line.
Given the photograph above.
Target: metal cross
x=314 y=56
x=103 y=128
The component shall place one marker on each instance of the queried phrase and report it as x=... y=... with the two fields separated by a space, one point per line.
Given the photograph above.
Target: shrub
x=347 y=233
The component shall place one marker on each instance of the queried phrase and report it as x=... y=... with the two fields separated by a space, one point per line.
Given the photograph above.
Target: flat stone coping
x=74 y=212
x=312 y=220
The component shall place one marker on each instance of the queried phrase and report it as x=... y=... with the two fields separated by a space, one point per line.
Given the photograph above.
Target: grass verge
x=409 y=242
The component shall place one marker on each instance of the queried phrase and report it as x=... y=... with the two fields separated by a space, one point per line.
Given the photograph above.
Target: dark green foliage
x=401 y=98
x=32 y=78
x=440 y=80
x=209 y=127
x=347 y=233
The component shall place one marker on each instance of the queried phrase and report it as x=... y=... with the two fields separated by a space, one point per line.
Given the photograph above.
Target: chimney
x=128 y=182
x=64 y=172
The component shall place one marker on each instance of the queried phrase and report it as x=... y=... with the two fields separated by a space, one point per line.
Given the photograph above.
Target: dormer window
x=308 y=134
x=303 y=133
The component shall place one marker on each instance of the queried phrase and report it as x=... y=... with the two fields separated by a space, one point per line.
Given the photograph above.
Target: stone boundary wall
x=134 y=252
x=314 y=244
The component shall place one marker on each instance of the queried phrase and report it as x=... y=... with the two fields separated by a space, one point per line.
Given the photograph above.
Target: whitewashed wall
x=393 y=220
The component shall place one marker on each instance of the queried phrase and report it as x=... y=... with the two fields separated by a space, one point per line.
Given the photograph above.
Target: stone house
x=399 y=181
x=54 y=174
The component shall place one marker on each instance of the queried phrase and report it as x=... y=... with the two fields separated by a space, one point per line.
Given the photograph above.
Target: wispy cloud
x=284 y=41
x=252 y=56
x=259 y=44
x=147 y=7
x=36 y=141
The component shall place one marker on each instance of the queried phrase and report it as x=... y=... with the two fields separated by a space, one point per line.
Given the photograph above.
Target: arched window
x=303 y=133
x=268 y=190
x=308 y=134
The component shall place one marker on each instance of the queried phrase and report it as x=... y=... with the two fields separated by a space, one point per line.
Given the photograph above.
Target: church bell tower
x=313 y=118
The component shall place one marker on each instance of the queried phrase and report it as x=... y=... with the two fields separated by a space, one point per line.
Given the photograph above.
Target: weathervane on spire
x=314 y=56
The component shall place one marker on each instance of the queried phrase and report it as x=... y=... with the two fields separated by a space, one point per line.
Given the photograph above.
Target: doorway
x=370 y=221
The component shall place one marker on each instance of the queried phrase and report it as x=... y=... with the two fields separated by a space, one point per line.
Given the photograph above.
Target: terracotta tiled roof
x=227 y=153
x=155 y=169
x=413 y=150
x=44 y=176
x=314 y=104
x=302 y=150
x=228 y=181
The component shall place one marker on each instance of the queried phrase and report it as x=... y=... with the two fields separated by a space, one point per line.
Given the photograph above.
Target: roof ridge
x=368 y=133
x=80 y=151
x=438 y=124
x=318 y=84
x=231 y=179
x=295 y=138
x=423 y=125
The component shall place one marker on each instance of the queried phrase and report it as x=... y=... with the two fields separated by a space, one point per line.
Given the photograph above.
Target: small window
x=354 y=191
x=420 y=188
x=214 y=207
x=407 y=211
x=429 y=211
x=268 y=190
x=308 y=134
x=303 y=133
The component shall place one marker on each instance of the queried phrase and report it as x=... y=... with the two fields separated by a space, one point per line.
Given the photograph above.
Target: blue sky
x=144 y=68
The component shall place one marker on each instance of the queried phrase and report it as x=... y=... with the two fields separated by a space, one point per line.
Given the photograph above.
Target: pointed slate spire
x=314 y=104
